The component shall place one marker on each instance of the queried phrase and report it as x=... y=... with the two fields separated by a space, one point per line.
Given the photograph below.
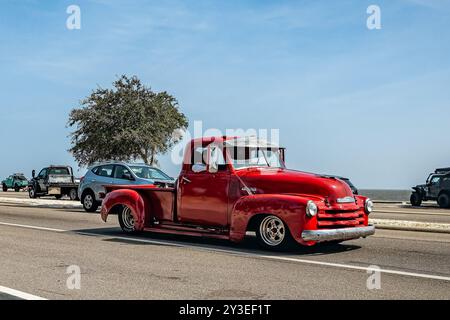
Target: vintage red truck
x=230 y=185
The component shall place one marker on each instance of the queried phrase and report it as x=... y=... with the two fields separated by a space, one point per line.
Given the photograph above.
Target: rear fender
x=129 y=198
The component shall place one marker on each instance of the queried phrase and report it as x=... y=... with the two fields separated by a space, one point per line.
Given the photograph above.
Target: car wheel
x=89 y=202
x=73 y=194
x=16 y=188
x=273 y=234
x=444 y=200
x=32 y=193
x=415 y=199
x=5 y=188
x=126 y=220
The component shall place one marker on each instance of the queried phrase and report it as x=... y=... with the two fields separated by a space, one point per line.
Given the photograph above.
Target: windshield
x=22 y=178
x=244 y=157
x=59 y=171
x=145 y=172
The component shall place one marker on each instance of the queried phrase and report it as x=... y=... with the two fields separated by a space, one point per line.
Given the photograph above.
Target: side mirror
x=214 y=160
x=33 y=173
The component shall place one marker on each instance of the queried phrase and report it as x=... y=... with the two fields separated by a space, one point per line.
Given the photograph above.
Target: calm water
x=390 y=195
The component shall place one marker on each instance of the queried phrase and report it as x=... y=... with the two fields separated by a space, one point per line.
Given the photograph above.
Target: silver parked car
x=92 y=184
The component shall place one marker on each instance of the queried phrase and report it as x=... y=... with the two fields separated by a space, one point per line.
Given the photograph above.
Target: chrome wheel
x=272 y=231
x=127 y=218
x=88 y=201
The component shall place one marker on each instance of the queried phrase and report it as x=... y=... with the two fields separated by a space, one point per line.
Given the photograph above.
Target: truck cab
x=230 y=185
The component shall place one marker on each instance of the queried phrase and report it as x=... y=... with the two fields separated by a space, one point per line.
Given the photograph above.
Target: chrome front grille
x=333 y=219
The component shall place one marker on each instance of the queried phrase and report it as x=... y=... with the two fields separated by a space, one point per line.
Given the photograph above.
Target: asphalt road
x=39 y=244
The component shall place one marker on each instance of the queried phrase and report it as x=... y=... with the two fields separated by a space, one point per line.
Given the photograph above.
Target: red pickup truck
x=231 y=185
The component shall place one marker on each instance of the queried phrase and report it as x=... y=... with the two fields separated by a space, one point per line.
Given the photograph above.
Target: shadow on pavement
x=249 y=245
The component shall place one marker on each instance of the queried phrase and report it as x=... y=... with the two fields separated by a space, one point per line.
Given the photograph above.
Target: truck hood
x=277 y=180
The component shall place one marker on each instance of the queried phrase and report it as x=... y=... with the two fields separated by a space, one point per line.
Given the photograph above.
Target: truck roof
x=235 y=141
x=442 y=170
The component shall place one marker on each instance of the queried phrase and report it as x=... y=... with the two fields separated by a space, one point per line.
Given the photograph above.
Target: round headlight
x=368 y=206
x=311 y=209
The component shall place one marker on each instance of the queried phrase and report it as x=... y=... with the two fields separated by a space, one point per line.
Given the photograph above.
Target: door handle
x=186 y=180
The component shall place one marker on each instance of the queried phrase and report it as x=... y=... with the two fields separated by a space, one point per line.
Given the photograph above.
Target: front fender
x=288 y=207
x=129 y=198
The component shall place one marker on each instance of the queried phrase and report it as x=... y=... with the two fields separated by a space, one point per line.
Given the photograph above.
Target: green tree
x=127 y=122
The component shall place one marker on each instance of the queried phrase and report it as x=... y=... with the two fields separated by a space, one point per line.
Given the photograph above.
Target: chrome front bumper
x=337 y=234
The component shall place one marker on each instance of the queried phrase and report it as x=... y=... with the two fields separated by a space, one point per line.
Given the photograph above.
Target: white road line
x=247 y=254
x=31 y=227
x=19 y=294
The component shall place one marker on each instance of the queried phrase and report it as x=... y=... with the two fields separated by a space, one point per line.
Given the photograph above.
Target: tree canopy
x=127 y=122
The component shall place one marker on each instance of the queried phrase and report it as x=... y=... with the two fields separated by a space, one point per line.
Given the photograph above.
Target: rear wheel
x=16 y=188
x=89 y=202
x=273 y=234
x=444 y=200
x=415 y=199
x=5 y=188
x=126 y=220
x=73 y=194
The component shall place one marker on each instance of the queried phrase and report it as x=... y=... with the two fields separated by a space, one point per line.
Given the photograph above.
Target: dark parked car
x=54 y=180
x=346 y=180
x=436 y=188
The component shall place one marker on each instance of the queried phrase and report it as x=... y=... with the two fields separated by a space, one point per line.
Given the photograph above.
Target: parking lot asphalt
x=39 y=244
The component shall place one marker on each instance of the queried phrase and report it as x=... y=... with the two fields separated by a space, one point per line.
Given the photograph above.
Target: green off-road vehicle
x=16 y=181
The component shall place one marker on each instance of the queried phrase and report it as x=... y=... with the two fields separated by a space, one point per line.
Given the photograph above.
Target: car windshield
x=146 y=172
x=244 y=157
x=22 y=178
x=59 y=171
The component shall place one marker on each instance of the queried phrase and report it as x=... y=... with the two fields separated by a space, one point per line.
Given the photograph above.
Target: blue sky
x=373 y=105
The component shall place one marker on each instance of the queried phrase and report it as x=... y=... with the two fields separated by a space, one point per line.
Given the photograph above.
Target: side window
x=43 y=173
x=120 y=172
x=435 y=180
x=199 y=159
x=105 y=171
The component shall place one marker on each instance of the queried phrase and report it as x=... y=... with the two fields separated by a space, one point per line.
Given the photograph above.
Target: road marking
x=31 y=227
x=19 y=294
x=241 y=253
x=412 y=212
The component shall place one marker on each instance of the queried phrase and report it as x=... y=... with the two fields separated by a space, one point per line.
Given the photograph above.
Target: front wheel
x=415 y=199
x=126 y=220
x=32 y=193
x=444 y=201
x=273 y=234
x=16 y=188
x=5 y=188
